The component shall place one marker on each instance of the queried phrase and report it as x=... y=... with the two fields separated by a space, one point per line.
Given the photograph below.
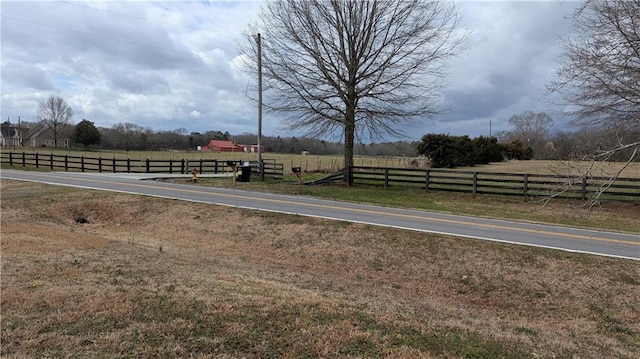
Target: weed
x=377 y=264
x=361 y=347
x=611 y=324
x=527 y=331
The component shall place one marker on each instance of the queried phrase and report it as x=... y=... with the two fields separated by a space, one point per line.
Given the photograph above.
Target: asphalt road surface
x=613 y=244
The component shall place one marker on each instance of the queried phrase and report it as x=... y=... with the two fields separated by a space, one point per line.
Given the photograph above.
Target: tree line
x=532 y=136
x=128 y=136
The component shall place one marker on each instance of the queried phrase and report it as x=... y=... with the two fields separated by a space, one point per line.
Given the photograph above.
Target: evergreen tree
x=86 y=134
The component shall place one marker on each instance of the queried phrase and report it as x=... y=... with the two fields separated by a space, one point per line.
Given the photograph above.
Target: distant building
x=10 y=135
x=42 y=136
x=222 y=146
x=33 y=135
x=228 y=146
x=251 y=148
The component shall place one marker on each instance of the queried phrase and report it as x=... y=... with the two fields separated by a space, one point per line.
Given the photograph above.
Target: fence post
x=37 y=164
x=475 y=183
x=10 y=158
x=182 y=166
x=146 y=165
x=386 y=178
x=100 y=164
x=24 y=159
x=426 y=180
x=170 y=166
x=114 y=165
x=128 y=165
x=51 y=160
x=584 y=188
x=82 y=163
x=525 y=184
x=201 y=160
x=216 y=166
x=66 y=163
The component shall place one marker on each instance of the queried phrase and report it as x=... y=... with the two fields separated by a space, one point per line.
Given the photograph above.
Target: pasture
x=308 y=162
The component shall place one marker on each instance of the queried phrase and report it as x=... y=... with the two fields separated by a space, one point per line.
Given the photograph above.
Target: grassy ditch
x=96 y=274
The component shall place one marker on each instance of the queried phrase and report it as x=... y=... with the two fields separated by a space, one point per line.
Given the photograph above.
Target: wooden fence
x=99 y=164
x=476 y=182
x=526 y=185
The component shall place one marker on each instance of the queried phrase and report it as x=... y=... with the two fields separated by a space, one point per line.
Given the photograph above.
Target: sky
x=176 y=64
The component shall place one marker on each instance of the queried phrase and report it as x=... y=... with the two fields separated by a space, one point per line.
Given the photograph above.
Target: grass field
x=310 y=163
x=105 y=275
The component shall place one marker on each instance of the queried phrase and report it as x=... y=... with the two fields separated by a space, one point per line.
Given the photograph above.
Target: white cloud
x=176 y=64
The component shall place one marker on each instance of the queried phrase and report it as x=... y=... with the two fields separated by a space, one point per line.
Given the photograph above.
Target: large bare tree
x=352 y=67
x=532 y=129
x=129 y=135
x=599 y=77
x=56 y=114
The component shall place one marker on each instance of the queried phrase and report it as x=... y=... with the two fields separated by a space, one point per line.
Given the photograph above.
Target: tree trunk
x=349 y=135
x=350 y=122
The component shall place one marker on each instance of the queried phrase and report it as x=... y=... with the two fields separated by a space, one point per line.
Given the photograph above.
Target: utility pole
x=260 y=163
x=20 y=139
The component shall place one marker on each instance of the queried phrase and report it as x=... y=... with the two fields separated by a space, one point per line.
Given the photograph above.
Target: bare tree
x=56 y=115
x=600 y=75
x=532 y=129
x=131 y=136
x=599 y=78
x=354 y=68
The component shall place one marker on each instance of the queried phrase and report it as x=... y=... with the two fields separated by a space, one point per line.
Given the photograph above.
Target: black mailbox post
x=298 y=172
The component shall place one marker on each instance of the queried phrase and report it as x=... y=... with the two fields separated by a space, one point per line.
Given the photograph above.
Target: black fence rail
x=270 y=168
x=526 y=185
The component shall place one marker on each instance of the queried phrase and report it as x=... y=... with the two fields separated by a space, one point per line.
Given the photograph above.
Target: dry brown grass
x=597 y=169
x=148 y=277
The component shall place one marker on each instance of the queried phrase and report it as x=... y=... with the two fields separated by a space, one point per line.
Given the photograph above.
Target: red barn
x=221 y=146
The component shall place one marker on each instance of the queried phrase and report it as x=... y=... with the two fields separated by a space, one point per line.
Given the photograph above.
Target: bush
x=446 y=151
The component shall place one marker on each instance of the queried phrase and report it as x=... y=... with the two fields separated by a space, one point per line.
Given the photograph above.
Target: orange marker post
x=194 y=173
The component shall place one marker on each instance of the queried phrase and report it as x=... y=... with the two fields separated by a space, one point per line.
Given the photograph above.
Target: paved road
x=622 y=245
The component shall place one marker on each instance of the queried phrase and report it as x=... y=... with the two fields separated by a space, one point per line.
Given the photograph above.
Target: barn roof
x=221 y=143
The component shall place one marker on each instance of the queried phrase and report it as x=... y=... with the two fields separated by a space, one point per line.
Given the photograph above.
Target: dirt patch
x=155 y=277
